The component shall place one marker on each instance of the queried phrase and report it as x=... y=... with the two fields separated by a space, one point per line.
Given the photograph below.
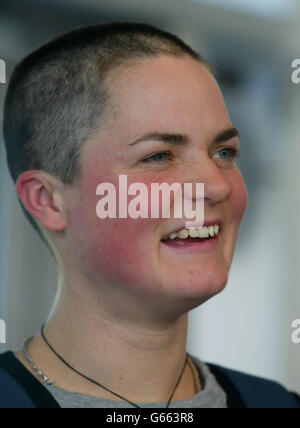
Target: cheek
x=239 y=196
x=237 y=203
x=235 y=208
x=116 y=249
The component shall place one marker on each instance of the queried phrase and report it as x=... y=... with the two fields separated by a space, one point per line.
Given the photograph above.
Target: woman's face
x=163 y=95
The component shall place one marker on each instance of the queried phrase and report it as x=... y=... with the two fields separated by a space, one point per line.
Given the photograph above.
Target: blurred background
x=252 y=46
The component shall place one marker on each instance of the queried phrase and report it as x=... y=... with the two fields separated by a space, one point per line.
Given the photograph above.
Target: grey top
x=211 y=396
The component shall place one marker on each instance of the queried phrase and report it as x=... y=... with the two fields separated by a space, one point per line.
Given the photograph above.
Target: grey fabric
x=211 y=396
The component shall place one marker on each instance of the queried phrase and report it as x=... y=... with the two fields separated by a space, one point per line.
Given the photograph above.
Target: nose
x=217 y=186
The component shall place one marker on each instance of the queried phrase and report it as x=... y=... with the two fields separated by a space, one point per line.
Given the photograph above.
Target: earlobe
x=39 y=197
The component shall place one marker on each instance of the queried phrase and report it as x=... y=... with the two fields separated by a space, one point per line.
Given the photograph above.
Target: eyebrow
x=182 y=139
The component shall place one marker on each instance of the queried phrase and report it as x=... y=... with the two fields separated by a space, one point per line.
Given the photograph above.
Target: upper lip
x=206 y=223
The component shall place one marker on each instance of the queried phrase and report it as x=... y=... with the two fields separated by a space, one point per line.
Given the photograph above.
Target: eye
x=229 y=153
x=157 y=157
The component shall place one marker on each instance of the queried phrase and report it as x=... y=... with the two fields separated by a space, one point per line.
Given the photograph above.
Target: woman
x=125 y=100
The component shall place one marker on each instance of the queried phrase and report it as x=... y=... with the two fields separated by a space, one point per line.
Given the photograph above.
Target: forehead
x=163 y=90
x=163 y=94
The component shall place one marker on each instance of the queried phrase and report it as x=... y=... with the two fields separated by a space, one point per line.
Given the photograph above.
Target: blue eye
x=158 y=157
x=230 y=154
x=233 y=153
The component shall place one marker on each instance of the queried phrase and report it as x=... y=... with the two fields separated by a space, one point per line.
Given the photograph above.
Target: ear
x=41 y=195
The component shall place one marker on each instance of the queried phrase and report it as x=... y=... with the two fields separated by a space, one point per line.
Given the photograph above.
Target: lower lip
x=206 y=245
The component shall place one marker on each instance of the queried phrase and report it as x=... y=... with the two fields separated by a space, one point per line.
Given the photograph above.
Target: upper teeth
x=201 y=232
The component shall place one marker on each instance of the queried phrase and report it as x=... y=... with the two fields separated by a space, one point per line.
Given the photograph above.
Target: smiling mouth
x=192 y=237
x=184 y=241
x=189 y=242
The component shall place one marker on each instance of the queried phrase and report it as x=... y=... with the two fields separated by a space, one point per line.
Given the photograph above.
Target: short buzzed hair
x=57 y=97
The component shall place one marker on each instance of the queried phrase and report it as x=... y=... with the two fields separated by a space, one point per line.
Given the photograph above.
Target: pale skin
x=122 y=314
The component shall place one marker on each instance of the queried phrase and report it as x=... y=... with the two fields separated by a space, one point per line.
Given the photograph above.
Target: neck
x=140 y=360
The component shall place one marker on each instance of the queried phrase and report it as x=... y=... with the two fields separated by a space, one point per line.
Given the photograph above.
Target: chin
x=204 y=287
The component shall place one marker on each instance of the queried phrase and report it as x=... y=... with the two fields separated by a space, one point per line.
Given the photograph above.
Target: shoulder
x=248 y=391
x=19 y=388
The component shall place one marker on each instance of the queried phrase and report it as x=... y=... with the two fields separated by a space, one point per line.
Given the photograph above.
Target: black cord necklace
x=99 y=384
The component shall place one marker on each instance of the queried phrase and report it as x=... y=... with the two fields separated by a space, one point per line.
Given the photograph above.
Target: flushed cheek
x=235 y=209
x=120 y=250
x=123 y=249
x=239 y=197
